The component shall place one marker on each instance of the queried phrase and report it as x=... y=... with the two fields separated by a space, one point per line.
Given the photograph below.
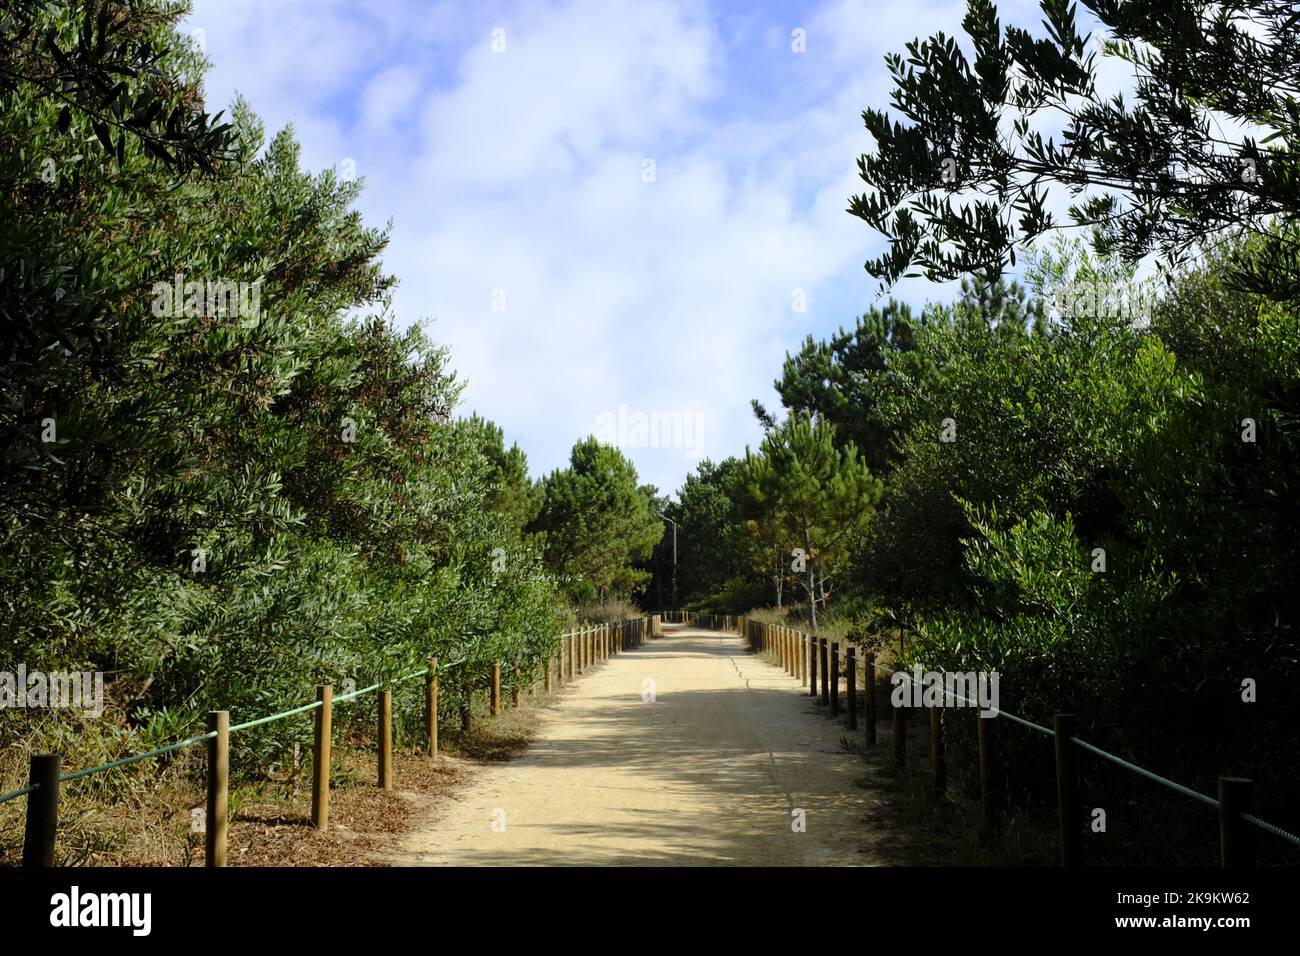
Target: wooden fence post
x=835 y=678
x=1067 y=789
x=386 y=738
x=495 y=691
x=214 y=824
x=988 y=795
x=431 y=707
x=812 y=664
x=900 y=736
x=467 y=705
x=824 y=652
x=869 y=696
x=937 y=762
x=320 y=758
x=547 y=679
x=852 y=681
x=1236 y=839
x=42 y=825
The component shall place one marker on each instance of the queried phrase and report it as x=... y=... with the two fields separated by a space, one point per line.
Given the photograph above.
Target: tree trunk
x=811 y=585
x=780 y=580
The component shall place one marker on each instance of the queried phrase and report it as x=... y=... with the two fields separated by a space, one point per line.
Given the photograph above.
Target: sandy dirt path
x=706 y=774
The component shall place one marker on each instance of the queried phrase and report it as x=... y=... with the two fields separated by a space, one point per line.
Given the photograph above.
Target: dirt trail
x=706 y=774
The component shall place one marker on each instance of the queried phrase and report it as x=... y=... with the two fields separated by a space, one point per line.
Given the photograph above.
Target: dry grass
x=610 y=611
x=143 y=815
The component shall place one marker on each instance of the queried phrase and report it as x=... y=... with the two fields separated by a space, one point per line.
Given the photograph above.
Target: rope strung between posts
x=1092 y=748
x=1119 y=761
x=135 y=758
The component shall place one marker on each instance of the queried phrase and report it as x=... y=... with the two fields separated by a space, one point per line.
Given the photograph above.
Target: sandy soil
x=708 y=773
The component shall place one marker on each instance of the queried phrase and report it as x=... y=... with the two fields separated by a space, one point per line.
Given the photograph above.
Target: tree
x=809 y=491
x=597 y=522
x=711 y=549
x=833 y=379
x=964 y=182
x=514 y=494
x=1001 y=305
x=847 y=379
x=117 y=69
x=227 y=494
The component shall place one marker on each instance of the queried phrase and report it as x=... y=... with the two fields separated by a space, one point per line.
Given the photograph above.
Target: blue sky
x=509 y=142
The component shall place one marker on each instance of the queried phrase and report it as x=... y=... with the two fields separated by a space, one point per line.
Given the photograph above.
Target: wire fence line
x=746 y=627
x=582 y=648
x=1117 y=760
x=190 y=742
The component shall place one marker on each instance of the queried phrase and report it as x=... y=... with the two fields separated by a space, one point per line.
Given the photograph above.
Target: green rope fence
x=135 y=758
x=587 y=646
x=1118 y=761
x=1093 y=749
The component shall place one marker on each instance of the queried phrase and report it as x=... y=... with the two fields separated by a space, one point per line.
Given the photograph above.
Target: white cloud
x=389 y=95
x=522 y=171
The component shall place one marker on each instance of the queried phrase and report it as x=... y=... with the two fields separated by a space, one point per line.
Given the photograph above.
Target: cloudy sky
x=599 y=205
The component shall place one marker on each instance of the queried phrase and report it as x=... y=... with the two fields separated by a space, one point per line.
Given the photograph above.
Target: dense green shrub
x=223 y=501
